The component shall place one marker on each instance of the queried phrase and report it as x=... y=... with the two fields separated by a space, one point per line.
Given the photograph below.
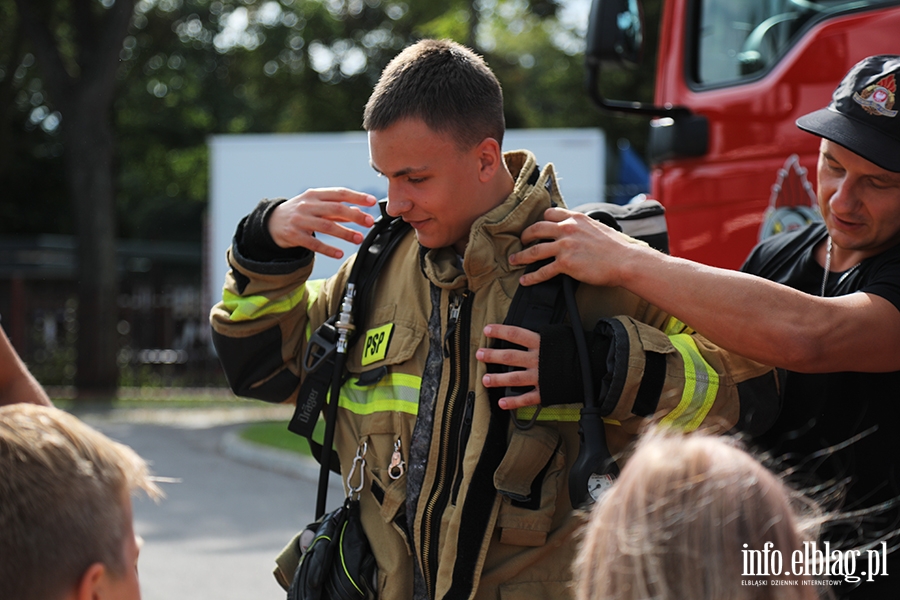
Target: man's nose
x=397 y=203
x=846 y=196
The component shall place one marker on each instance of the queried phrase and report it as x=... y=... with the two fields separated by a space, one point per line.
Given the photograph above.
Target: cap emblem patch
x=878 y=98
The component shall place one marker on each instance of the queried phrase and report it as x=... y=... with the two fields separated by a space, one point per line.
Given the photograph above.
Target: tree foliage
x=192 y=68
x=183 y=70
x=76 y=44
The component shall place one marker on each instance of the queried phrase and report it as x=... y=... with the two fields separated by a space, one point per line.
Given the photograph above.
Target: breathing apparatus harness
x=531 y=307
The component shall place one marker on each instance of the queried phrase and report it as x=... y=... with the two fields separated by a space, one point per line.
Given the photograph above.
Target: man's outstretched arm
x=17 y=384
x=760 y=319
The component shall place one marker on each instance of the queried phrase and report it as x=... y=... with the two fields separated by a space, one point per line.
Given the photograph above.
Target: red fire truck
x=732 y=78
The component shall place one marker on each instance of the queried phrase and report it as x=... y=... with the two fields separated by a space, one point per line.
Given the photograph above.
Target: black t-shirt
x=829 y=410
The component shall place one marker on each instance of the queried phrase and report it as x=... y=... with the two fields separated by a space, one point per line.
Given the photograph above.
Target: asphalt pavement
x=231 y=507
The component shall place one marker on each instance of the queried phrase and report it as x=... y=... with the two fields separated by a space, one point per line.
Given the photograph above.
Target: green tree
x=77 y=44
x=133 y=88
x=193 y=68
x=30 y=149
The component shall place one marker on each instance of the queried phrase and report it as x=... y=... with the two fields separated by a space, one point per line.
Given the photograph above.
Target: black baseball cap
x=863 y=113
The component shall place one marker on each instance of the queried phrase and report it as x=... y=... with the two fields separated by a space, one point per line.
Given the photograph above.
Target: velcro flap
x=523 y=537
x=527 y=455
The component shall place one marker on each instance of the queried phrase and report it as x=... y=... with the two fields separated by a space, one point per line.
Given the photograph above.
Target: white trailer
x=247 y=168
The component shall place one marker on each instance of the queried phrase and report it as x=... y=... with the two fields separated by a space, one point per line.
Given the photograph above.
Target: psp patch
x=376 y=345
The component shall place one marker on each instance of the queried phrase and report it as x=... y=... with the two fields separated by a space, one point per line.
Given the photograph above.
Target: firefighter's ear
x=490 y=158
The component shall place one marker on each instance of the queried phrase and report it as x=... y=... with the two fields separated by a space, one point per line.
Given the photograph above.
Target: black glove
x=339 y=564
x=559 y=368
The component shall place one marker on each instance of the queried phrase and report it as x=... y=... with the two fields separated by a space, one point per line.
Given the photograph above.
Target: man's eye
x=880 y=185
x=415 y=179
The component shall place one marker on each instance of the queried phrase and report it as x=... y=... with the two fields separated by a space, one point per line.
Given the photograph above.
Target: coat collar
x=495 y=235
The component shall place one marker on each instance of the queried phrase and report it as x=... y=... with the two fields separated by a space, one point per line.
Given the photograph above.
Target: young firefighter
x=66 y=529
x=482 y=509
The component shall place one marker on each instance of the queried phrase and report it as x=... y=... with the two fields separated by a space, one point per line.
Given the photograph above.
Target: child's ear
x=92 y=583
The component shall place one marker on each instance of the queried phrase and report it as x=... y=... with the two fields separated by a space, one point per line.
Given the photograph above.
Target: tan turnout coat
x=469 y=539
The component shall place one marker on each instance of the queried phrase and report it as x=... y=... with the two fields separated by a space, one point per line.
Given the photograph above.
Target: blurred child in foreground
x=679 y=519
x=66 y=530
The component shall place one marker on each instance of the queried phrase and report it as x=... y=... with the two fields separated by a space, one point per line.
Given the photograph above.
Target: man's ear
x=92 y=584
x=490 y=158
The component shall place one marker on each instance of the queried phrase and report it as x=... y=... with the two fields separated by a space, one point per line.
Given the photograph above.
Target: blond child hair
x=64 y=501
x=675 y=524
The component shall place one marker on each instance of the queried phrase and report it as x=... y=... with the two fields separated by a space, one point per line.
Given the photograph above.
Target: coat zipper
x=465 y=428
x=456 y=348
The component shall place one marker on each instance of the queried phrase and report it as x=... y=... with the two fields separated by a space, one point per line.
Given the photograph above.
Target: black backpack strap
x=547 y=303
x=319 y=359
x=531 y=308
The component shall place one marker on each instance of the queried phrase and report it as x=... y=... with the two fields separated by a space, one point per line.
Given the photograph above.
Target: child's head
x=65 y=508
x=676 y=522
x=444 y=84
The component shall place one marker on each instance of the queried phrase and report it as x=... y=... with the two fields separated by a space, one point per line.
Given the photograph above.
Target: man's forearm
x=760 y=319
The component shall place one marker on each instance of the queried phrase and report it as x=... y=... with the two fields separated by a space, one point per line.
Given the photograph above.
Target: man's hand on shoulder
x=320 y=210
x=579 y=246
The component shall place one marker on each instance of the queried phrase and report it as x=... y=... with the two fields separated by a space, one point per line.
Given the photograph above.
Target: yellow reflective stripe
x=314 y=288
x=674 y=326
x=248 y=308
x=701 y=383
x=563 y=413
x=397 y=392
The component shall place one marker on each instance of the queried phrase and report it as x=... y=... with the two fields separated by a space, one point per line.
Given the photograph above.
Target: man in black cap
x=828 y=312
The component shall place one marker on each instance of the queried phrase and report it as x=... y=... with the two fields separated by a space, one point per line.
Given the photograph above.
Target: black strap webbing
x=319 y=362
x=531 y=307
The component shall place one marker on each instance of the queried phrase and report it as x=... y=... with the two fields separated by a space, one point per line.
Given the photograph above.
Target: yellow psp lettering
x=376 y=344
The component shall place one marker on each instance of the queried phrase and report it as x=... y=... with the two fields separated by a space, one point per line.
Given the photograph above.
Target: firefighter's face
x=433 y=184
x=859 y=200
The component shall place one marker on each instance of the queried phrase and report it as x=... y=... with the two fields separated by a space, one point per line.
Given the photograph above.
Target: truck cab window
x=740 y=38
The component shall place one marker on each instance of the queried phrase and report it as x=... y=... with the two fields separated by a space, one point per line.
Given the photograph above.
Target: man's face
x=432 y=184
x=859 y=201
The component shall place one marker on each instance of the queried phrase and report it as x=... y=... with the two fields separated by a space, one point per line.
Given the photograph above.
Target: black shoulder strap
x=545 y=303
x=318 y=362
x=531 y=307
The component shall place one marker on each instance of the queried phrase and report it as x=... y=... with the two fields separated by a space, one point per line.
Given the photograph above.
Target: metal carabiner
x=359 y=461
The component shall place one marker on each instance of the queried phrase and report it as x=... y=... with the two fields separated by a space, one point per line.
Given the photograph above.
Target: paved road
x=218 y=530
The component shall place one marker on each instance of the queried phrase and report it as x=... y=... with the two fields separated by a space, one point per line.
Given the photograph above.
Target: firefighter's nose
x=397 y=204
